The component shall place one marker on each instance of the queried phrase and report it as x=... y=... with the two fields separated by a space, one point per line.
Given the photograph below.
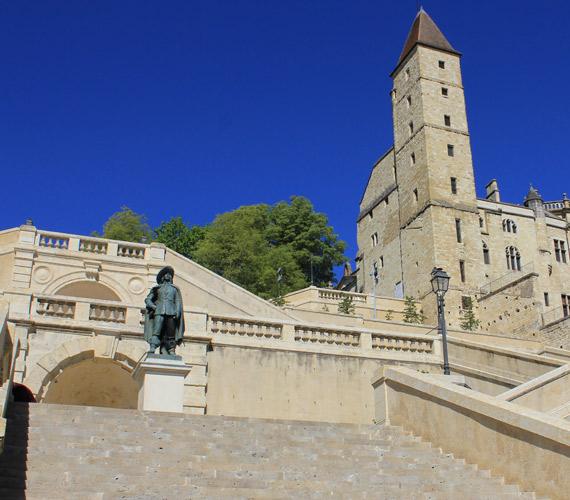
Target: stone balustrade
x=93 y=246
x=327 y=336
x=102 y=312
x=99 y=246
x=57 y=308
x=132 y=251
x=338 y=295
x=53 y=241
x=400 y=343
x=245 y=328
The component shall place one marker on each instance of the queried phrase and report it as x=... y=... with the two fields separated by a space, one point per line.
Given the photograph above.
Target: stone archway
x=79 y=362
x=88 y=290
x=71 y=281
x=93 y=382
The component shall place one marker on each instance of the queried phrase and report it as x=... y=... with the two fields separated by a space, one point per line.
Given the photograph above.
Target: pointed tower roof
x=532 y=195
x=425 y=32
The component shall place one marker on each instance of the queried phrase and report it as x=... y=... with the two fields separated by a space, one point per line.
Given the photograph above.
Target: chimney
x=493 y=191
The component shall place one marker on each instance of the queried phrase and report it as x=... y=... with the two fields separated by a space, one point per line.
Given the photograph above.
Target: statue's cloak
x=149 y=329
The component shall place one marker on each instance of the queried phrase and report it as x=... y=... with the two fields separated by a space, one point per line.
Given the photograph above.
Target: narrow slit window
x=453 y=182
x=447 y=120
x=411 y=128
x=458 y=230
x=450 y=150
x=441 y=64
x=546 y=299
x=415 y=195
x=444 y=91
x=409 y=101
x=462 y=270
x=413 y=158
x=486 y=255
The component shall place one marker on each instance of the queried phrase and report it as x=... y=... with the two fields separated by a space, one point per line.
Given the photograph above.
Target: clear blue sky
x=194 y=108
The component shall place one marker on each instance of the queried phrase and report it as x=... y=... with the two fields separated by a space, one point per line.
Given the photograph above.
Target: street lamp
x=440 y=285
x=374 y=275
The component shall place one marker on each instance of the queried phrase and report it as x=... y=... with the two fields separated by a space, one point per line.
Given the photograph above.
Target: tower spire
x=424 y=31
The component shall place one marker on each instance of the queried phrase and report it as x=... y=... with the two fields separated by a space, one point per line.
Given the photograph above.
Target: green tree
x=468 y=319
x=127 y=225
x=177 y=236
x=310 y=237
x=236 y=247
x=389 y=314
x=248 y=246
x=411 y=313
x=346 y=305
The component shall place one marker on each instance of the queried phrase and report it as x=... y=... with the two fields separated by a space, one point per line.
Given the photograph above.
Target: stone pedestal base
x=161 y=383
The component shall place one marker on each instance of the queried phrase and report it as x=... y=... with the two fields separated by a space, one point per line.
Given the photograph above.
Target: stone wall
x=512 y=310
x=265 y=383
x=445 y=414
x=556 y=335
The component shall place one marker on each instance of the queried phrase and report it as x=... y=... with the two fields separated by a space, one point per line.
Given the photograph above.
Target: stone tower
x=439 y=219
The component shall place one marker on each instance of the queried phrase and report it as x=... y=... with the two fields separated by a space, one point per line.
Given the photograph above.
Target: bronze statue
x=164 y=317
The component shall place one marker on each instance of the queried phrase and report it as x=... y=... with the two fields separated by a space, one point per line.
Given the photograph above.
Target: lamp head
x=439 y=281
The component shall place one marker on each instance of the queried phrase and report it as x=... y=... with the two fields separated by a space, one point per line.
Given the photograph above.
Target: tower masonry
x=420 y=209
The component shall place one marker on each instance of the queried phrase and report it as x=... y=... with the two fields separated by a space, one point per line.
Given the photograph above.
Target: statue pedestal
x=161 y=382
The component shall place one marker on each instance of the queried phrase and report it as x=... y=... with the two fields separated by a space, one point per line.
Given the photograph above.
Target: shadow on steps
x=13 y=461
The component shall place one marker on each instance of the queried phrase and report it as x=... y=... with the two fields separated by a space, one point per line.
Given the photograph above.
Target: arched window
x=513 y=259
x=486 y=255
x=509 y=226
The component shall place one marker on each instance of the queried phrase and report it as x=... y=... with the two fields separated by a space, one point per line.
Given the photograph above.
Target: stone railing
x=99 y=246
x=55 y=308
x=109 y=315
x=338 y=295
x=393 y=343
x=93 y=246
x=327 y=336
x=53 y=241
x=133 y=251
x=245 y=328
x=102 y=312
x=82 y=310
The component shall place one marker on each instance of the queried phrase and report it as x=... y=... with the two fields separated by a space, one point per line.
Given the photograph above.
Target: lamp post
x=440 y=285
x=374 y=275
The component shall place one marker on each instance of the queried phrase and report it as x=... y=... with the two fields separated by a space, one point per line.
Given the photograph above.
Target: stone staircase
x=74 y=452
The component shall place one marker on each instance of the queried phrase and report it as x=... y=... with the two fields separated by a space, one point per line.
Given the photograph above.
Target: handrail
x=555 y=314
x=507 y=278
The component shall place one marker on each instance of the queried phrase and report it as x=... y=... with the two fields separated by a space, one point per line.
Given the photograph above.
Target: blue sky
x=194 y=108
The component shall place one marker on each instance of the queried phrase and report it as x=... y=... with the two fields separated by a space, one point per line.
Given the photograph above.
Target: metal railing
x=507 y=278
x=555 y=314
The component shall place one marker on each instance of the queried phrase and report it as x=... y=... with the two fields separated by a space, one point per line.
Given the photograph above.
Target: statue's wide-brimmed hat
x=162 y=272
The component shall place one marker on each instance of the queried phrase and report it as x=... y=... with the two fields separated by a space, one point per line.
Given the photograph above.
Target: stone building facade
x=420 y=210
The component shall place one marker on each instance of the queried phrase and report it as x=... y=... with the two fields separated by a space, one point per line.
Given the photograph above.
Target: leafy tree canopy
x=236 y=247
x=251 y=245
x=179 y=237
x=127 y=225
x=311 y=239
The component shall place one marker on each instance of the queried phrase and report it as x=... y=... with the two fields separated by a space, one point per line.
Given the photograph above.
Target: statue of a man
x=164 y=318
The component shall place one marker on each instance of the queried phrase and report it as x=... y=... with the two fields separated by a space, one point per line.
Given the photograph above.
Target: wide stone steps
x=61 y=452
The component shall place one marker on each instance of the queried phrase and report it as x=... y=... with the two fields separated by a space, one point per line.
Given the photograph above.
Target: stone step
x=100 y=453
